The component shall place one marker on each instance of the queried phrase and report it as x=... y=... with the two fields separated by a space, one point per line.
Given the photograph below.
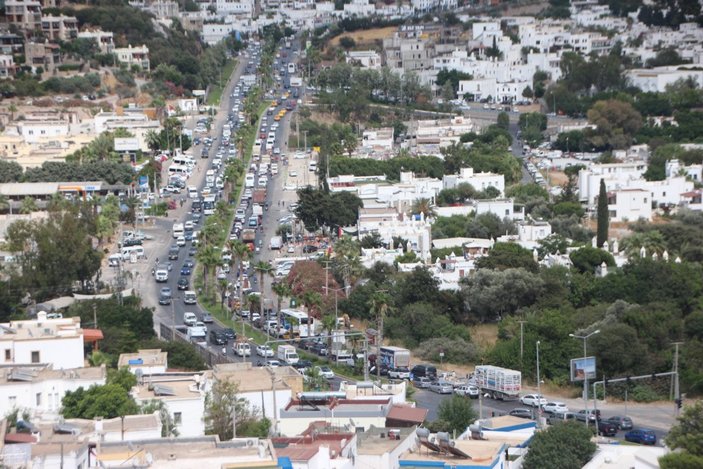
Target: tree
x=29 y=205
x=503 y=120
x=378 y=304
x=455 y=414
x=264 y=269
x=686 y=436
x=423 y=206
x=281 y=290
x=602 y=215
x=484 y=292
x=222 y=403
x=588 y=258
x=528 y=93
x=370 y=241
x=508 y=256
x=616 y=123
x=209 y=258
x=565 y=445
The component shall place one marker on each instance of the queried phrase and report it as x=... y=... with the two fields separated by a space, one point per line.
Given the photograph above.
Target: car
x=185 y=270
x=273 y=363
x=401 y=372
x=293 y=174
x=182 y=283
x=468 y=391
x=422 y=382
x=326 y=372
x=623 y=423
x=166 y=291
x=302 y=365
x=189 y=319
x=291 y=249
x=606 y=428
x=309 y=249
x=264 y=351
x=229 y=333
x=641 y=436
x=218 y=338
x=164 y=299
x=192 y=252
x=521 y=412
x=320 y=349
x=561 y=417
x=555 y=408
x=207 y=318
x=441 y=387
x=533 y=400
x=590 y=415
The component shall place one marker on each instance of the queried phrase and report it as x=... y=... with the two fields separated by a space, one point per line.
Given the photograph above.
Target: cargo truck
x=498 y=383
x=395 y=357
x=197 y=332
x=259 y=197
x=249 y=236
x=287 y=354
x=276 y=243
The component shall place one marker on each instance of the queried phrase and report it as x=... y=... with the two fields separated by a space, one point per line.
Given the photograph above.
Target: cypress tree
x=602 y=233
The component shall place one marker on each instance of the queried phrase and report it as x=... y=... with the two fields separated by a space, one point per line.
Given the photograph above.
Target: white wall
x=61 y=353
x=263 y=401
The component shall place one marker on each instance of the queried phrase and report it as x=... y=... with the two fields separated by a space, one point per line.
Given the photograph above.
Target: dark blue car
x=641 y=436
x=185 y=270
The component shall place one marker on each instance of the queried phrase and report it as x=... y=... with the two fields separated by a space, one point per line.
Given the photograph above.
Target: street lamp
x=585 y=372
x=539 y=392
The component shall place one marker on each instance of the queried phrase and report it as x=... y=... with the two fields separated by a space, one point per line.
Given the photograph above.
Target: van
x=114 y=260
x=192 y=192
x=312 y=166
x=127 y=252
x=428 y=371
x=189 y=297
x=161 y=274
x=242 y=349
x=249 y=180
x=184 y=161
x=178 y=230
x=179 y=169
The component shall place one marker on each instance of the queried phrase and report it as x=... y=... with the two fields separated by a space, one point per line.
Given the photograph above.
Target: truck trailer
x=499 y=383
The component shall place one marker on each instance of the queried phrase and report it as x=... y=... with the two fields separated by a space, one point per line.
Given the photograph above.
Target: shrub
x=455 y=350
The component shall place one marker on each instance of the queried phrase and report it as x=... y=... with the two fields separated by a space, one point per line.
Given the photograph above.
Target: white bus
x=178 y=230
x=179 y=169
x=298 y=323
x=209 y=205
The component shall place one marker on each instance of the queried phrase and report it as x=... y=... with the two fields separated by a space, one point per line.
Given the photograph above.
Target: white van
x=249 y=180
x=312 y=166
x=178 y=230
x=114 y=260
x=179 y=169
x=192 y=192
x=127 y=252
x=183 y=160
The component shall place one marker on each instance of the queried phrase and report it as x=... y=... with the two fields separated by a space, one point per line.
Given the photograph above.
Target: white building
x=612 y=173
x=479 y=181
x=388 y=224
x=37 y=131
x=502 y=208
x=213 y=33
x=378 y=139
x=533 y=231
x=104 y=39
x=40 y=389
x=658 y=78
x=138 y=55
x=493 y=90
x=630 y=205
x=57 y=342
x=144 y=362
x=364 y=58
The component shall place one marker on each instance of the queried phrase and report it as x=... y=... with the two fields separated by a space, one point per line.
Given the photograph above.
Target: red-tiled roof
x=19 y=438
x=407 y=414
x=91 y=335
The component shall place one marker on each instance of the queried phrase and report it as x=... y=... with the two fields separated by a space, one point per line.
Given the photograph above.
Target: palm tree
x=29 y=205
x=347 y=262
x=240 y=252
x=209 y=258
x=153 y=140
x=652 y=241
x=13 y=109
x=423 y=206
x=329 y=325
x=281 y=290
x=379 y=307
x=263 y=268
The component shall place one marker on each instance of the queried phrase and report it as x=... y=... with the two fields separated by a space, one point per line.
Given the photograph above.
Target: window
x=35 y=356
x=177 y=418
x=38 y=399
x=8 y=355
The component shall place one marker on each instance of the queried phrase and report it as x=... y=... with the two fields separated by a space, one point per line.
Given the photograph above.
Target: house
x=479 y=181
x=378 y=139
x=533 y=230
x=633 y=457
x=57 y=342
x=692 y=200
x=59 y=28
x=439 y=451
x=299 y=413
x=144 y=362
x=42 y=55
x=104 y=39
x=25 y=14
x=658 y=78
x=382 y=447
x=388 y=224
x=39 y=389
x=7 y=66
x=364 y=58
x=161 y=9
x=319 y=446
x=138 y=56
x=266 y=390
x=613 y=174
x=451 y=270
x=183 y=395
x=214 y=32
x=502 y=208
x=371 y=390
x=630 y=205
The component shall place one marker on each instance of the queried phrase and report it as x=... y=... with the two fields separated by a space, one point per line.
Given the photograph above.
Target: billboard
x=583 y=368
x=126 y=144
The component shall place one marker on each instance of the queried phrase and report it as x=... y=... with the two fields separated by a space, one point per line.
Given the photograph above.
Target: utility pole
x=379 y=336
x=95 y=315
x=234 y=417
x=327 y=277
x=522 y=338
x=676 y=373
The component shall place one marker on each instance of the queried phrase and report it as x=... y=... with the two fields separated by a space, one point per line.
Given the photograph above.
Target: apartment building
x=25 y=14
x=479 y=181
x=57 y=342
x=658 y=78
x=138 y=55
x=7 y=66
x=11 y=43
x=630 y=205
x=364 y=58
x=104 y=39
x=59 y=28
x=42 y=55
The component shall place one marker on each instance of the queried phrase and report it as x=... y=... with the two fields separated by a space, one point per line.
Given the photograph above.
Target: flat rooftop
x=181 y=387
x=34 y=329
x=370 y=442
x=481 y=452
x=143 y=358
x=250 y=378
x=20 y=375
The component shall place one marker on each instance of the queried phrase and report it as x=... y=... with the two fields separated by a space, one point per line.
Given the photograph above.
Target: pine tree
x=602 y=233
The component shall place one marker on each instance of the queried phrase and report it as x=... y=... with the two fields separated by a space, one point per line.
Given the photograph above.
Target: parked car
x=521 y=412
x=589 y=414
x=429 y=371
x=560 y=417
x=534 y=400
x=422 y=382
x=468 y=391
x=641 y=436
x=401 y=372
x=607 y=428
x=555 y=408
x=623 y=423
x=441 y=387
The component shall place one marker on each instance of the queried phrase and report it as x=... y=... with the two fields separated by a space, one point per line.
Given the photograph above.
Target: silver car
x=422 y=382
x=441 y=387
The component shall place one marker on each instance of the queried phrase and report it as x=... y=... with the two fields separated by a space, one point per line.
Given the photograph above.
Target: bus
x=209 y=205
x=291 y=68
x=298 y=323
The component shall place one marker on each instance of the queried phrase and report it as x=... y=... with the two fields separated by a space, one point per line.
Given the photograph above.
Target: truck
x=257 y=211
x=258 y=197
x=296 y=82
x=248 y=236
x=287 y=354
x=276 y=243
x=394 y=357
x=499 y=383
x=197 y=332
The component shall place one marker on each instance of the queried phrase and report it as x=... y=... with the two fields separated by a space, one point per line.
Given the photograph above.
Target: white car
x=468 y=391
x=555 y=408
x=293 y=174
x=326 y=372
x=273 y=363
x=533 y=400
x=291 y=249
x=189 y=319
x=264 y=351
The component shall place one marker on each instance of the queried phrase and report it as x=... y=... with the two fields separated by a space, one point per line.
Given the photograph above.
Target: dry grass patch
x=366 y=37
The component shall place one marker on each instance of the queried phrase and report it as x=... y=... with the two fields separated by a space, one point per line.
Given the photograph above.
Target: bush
x=643 y=393
x=455 y=350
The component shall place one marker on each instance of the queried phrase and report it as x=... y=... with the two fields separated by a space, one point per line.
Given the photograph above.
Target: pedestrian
x=224 y=350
